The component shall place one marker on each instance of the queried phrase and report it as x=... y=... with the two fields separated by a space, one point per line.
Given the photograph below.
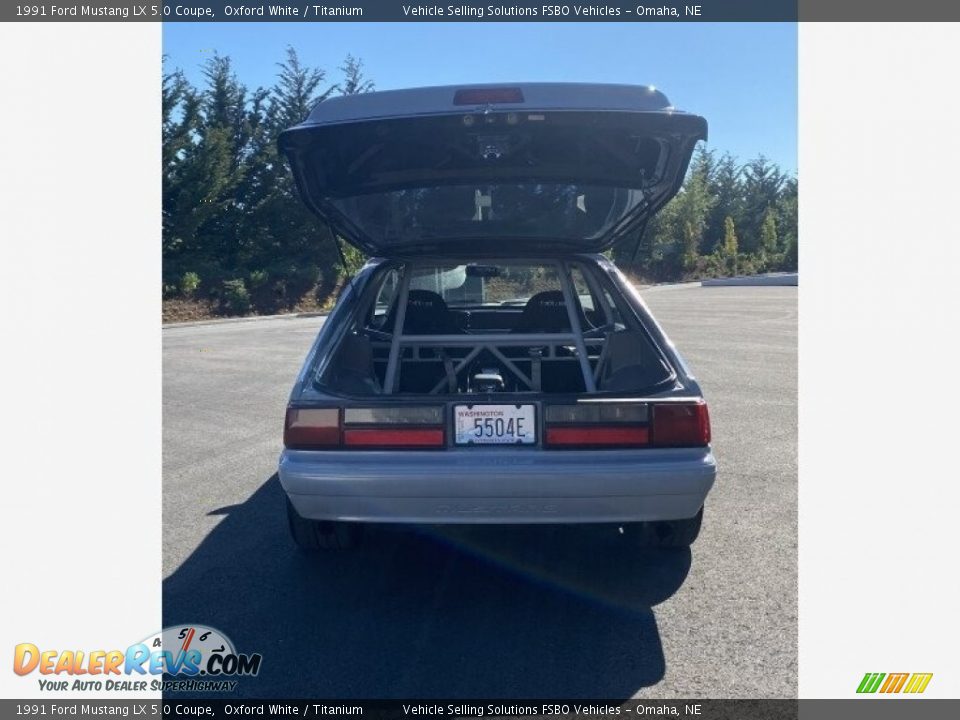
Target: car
x=489 y=364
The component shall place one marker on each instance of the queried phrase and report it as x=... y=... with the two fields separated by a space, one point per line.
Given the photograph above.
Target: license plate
x=495 y=424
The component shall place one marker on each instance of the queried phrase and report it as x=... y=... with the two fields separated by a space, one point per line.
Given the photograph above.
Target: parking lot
x=490 y=613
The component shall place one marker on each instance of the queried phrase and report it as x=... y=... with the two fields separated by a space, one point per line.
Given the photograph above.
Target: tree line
x=234 y=228
x=729 y=218
x=237 y=236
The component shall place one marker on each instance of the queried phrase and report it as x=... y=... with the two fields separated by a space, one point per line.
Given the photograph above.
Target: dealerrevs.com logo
x=186 y=658
x=888 y=684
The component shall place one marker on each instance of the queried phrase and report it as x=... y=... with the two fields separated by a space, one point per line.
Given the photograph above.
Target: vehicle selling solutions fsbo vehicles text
x=479 y=12
x=547 y=11
x=494 y=710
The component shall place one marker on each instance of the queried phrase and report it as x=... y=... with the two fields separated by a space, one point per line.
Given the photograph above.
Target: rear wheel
x=316 y=535
x=672 y=533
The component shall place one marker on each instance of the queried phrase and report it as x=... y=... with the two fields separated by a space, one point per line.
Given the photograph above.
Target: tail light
x=680 y=424
x=312 y=428
x=597 y=425
x=601 y=436
x=368 y=428
x=395 y=427
x=627 y=425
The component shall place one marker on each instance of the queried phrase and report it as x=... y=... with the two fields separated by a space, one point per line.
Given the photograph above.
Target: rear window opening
x=492 y=327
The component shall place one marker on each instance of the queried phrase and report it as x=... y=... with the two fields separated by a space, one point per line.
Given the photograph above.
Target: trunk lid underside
x=531 y=169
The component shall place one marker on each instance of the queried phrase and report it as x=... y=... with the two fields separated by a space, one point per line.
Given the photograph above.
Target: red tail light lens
x=598 y=436
x=597 y=425
x=394 y=427
x=393 y=437
x=312 y=428
x=680 y=425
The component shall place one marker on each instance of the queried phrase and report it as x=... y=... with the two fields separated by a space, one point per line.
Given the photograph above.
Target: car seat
x=547 y=312
x=427 y=314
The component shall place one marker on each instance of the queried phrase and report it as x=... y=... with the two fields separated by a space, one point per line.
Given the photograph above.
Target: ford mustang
x=489 y=364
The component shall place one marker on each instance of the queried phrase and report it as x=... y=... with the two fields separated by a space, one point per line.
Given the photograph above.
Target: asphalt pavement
x=490 y=612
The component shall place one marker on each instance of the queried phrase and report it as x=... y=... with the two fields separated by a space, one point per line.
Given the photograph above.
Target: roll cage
x=492 y=343
x=523 y=355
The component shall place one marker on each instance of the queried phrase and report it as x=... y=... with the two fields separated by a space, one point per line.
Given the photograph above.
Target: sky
x=741 y=77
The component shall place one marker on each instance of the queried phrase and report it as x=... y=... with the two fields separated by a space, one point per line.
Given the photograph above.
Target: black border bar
x=772 y=709
x=402 y=11
x=479 y=11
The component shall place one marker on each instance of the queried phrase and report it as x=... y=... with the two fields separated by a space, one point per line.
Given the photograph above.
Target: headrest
x=545 y=312
x=427 y=314
x=425 y=300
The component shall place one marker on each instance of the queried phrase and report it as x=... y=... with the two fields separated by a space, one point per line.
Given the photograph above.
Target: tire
x=672 y=533
x=316 y=535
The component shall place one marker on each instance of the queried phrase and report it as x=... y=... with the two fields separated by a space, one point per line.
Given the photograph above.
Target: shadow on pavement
x=468 y=612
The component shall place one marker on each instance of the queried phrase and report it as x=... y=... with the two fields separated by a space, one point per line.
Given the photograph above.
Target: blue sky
x=741 y=77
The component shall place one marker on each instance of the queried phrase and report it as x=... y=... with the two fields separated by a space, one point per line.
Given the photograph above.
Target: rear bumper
x=494 y=485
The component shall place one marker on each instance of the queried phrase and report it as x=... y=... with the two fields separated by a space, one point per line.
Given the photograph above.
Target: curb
x=768 y=279
x=246 y=319
x=667 y=286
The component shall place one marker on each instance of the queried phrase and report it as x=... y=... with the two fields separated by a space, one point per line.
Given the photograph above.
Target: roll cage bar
x=494 y=342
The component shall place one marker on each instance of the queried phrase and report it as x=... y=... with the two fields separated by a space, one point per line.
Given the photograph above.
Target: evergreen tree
x=791 y=256
x=202 y=167
x=354 y=81
x=762 y=183
x=292 y=245
x=236 y=230
x=725 y=186
x=731 y=246
x=787 y=215
x=297 y=91
x=693 y=207
x=768 y=233
x=179 y=120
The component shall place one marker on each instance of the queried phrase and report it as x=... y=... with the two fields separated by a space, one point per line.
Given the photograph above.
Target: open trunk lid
x=483 y=169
